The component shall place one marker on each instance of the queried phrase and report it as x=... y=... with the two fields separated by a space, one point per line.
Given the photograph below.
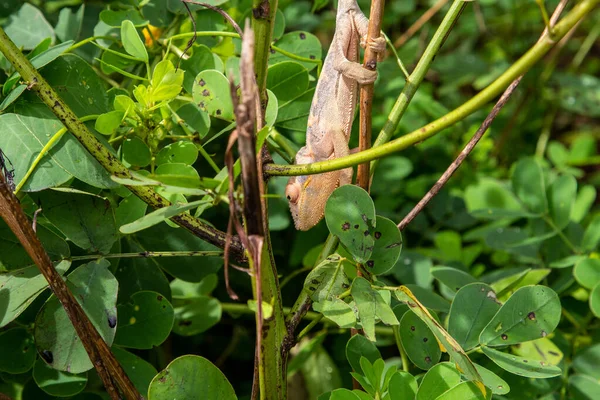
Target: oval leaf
x=132 y=43
x=191 y=377
x=530 y=313
x=350 y=215
x=419 y=342
x=521 y=366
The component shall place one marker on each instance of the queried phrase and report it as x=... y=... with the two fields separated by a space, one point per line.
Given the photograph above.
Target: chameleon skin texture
x=331 y=115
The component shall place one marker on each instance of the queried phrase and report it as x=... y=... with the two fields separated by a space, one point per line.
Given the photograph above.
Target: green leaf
x=419 y=342
x=583 y=203
x=145 y=321
x=18 y=289
x=454 y=278
x=135 y=152
x=183 y=290
x=139 y=273
x=587 y=272
x=388 y=245
x=561 y=198
x=158 y=216
x=69 y=24
x=591 y=236
x=272 y=108
x=595 y=300
x=431 y=300
x=530 y=313
x=586 y=361
x=39 y=61
x=541 y=349
x=79 y=86
x=132 y=43
x=337 y=311
x=287 y=80
x=137 y=369
x=18 y=351
x=583 y=387
x=125 y=104
x=327 y=280
x=15 y=257
x=23 y=137
x=163 y=238
x=343 y=394
x=528 y=184
x=493 y=381
x=472 y=309
x=109 y=122
x=177 y=174
x=350 y=215
x=293 y=115
x=95 y=288
x=370 y=305
x=166 y=82
x=130 y=209
x=464 y=391
x=300 y=43
x=507 y=286
x=191 y=377
x=178 y=152
x=201 y=59
x=195 y=119
x=196 y=315
x=116 y=18
x=87 y=221
x=457 y=354
x=437 y=380
x=58 y=383
x=28 y=27
x=359 y=346
x=211 y=94
x=156 y=11
x=402 y=386
x=521 y=366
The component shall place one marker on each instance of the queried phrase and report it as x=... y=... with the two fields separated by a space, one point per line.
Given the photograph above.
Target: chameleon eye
x=292 y=192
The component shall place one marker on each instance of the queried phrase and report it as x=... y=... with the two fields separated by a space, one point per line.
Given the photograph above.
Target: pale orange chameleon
x=331 y=115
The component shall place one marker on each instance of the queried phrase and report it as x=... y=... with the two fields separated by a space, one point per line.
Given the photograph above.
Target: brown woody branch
x=110 y=371
x=366 y=93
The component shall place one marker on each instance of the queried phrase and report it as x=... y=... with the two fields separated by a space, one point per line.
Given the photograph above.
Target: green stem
x=520 y=67
x=102 y=154
x=91 y=39
x=398 y=341
x=54 y=139
x=263 y=21
x=562 y=236
x=308 y=327
x=150 y=254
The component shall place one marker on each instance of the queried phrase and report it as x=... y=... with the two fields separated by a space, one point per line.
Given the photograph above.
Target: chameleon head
x=308 y=195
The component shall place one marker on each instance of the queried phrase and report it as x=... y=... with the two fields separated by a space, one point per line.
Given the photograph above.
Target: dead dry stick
x=366 y=93
x=461 y=157
x=110 y=371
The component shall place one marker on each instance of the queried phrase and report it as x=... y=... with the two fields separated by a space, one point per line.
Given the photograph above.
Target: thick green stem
x=263 y=21
x=112 y=164
x=521 y=66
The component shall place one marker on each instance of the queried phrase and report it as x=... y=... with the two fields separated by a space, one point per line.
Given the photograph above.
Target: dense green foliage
x=497 y=281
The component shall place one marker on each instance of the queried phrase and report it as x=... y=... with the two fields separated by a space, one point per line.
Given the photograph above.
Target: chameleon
x=331 y=115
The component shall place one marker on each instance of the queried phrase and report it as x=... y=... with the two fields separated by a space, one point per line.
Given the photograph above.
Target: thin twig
x=477 y=136
x=461 y=157
x=220 y=11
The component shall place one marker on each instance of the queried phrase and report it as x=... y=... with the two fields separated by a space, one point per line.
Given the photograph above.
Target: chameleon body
x=331 y=115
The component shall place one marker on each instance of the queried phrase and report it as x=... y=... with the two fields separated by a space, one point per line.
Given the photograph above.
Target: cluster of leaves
x=492 y=265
